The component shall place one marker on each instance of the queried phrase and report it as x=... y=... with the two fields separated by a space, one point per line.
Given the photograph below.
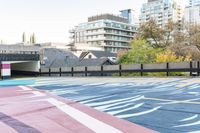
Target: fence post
x=49 y=72
x=72 y=71
x=120 y=70
x=198 y=67
x=101 y=70
x=167 y=65
x=191 y=67
x=142 y=67
x=40 y=72
x=85 y=71
x=60 y=71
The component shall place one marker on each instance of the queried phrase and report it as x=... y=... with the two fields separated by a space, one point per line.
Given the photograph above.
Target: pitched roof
x=62 y=58
x=98 y=54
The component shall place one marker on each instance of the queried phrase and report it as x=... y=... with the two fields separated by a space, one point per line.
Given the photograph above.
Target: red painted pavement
x=26 y=110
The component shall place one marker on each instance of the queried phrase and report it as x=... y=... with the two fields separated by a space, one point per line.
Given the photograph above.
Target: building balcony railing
x=19 y=57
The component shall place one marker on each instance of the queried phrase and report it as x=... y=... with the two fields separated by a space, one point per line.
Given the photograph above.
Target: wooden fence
x=190 y=67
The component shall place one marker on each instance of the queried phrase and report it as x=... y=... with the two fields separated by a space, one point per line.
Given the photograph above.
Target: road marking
x=172 y=101
x=190 y=124
x=95 y=99
x=90 y=122
x=118 y=107
x=118 y=103
x=38 y=94
x=190 y=118
x=126 y=109
x=25 y=88
x=138 y=114
x=113 y=101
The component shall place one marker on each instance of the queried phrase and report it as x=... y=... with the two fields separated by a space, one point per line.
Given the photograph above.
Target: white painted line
x=126 y=109
x=118 y=107
x=190 y=118
x=103 y=107
x=38 y=94
x=90 y=122
x=113 y=101
x=95 y=99
x=25 y=88
x=138 y=114
x=190 y=124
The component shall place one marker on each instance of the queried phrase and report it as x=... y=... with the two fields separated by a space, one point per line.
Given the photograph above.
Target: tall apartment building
x=192 y=12
x=110 y=32
x=162 y=11
x=194 y=2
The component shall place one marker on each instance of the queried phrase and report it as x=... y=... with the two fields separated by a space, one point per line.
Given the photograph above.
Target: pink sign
x=5 y=66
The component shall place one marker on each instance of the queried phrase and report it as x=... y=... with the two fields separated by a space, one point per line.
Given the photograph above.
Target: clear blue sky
x=51 y=19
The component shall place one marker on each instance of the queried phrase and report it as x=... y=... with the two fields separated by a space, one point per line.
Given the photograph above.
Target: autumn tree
x=170 y=56
x=140 y=52
x=151 y=32
x=193 y=32
x=159 y=37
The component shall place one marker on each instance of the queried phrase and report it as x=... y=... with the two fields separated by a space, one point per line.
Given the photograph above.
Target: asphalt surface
x=167 y=105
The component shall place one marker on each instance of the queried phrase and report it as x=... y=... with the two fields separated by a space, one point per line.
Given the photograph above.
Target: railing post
x=142 y=67
x=198 y=68
x=60 y=70
x=191 y=67
x=49 y=72
x=120 y=70
x=40 y=72
x=167 y=66
x=72 y=71
x=85 y=71
x=101 y=70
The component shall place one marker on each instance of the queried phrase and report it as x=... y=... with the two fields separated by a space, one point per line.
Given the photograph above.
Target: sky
x=51 y=20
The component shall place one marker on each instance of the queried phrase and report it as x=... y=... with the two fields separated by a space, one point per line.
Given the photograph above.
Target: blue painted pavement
x=168 y=105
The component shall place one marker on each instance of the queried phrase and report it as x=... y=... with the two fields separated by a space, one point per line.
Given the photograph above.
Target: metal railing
x=191 y=67
x=19 y=57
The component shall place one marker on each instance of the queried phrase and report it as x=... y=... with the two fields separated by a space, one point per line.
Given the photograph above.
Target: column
x=5 y=70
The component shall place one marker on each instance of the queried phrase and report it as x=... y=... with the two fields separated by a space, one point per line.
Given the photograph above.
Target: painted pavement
x=168 y=105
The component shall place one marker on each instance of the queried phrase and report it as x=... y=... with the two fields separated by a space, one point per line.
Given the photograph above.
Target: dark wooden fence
x=191 y=67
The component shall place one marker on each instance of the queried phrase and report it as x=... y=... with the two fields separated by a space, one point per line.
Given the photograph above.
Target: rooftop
x=109 y=17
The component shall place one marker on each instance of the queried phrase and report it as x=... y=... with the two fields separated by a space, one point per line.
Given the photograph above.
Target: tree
x=152 y=32
x=140 y=52
x=193 y=32
x=170 y=56
x=161 y=37
x=33 y=38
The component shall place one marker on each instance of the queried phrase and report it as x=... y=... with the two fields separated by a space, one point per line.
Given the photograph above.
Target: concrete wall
x=5 y=70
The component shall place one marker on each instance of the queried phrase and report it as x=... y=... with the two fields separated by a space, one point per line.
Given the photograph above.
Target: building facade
x=194 y=2
x=162 y=11
x=110 y=32
x=192 y=14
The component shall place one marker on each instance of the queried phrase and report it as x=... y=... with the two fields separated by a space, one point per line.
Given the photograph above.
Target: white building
x=162 y=11
x=192 y=12
x=194 y=2
x=107 y=31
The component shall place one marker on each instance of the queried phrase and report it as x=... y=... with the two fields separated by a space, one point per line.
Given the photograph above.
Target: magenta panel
x=5 y=66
